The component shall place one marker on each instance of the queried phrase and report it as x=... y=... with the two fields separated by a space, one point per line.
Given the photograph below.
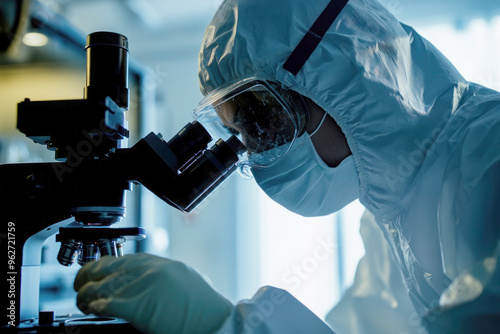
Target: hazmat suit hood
x=390 y=91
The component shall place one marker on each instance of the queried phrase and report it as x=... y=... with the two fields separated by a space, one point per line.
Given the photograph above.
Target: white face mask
x=303 y=183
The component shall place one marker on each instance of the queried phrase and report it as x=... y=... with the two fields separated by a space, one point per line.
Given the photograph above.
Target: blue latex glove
x=155 y=294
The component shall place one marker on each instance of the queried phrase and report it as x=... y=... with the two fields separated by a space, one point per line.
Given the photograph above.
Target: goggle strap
x=314 y=36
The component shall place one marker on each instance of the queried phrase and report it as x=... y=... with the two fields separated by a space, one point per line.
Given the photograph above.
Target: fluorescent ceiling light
x=35 y=39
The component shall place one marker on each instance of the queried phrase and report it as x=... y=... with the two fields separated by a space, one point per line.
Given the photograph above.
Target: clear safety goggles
x=263 y=116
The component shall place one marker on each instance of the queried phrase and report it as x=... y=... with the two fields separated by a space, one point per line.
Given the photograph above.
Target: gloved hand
x=155 y=294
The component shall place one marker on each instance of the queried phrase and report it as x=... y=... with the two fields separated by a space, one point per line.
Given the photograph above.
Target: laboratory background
x=237 y=238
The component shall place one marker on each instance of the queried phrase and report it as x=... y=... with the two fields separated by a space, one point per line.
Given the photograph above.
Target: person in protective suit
x=338 y=100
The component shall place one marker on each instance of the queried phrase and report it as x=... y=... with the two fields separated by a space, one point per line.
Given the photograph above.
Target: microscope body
x=39 y=198
x=82 y=196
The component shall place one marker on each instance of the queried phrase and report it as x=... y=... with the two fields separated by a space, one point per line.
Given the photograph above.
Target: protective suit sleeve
x=272 y=311
x=377 y=301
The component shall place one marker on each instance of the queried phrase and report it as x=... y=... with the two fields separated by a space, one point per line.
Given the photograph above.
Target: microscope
x=82 y=195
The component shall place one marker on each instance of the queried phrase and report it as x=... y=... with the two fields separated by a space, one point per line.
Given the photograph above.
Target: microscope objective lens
x=107 y=247
x=88 y=253
x=68 y=253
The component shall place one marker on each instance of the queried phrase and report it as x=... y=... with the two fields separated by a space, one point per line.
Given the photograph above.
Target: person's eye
x=232 y=131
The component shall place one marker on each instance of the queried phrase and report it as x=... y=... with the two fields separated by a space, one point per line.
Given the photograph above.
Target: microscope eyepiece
x=236 y=145
x=189 y=142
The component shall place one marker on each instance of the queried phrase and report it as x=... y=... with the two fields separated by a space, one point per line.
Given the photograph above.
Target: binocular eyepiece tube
x=194 y=169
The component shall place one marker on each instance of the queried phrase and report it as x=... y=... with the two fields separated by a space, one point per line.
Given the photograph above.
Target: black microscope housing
x=83 y=194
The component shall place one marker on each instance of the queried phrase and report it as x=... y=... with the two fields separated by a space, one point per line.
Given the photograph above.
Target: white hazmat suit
x=425 y=141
